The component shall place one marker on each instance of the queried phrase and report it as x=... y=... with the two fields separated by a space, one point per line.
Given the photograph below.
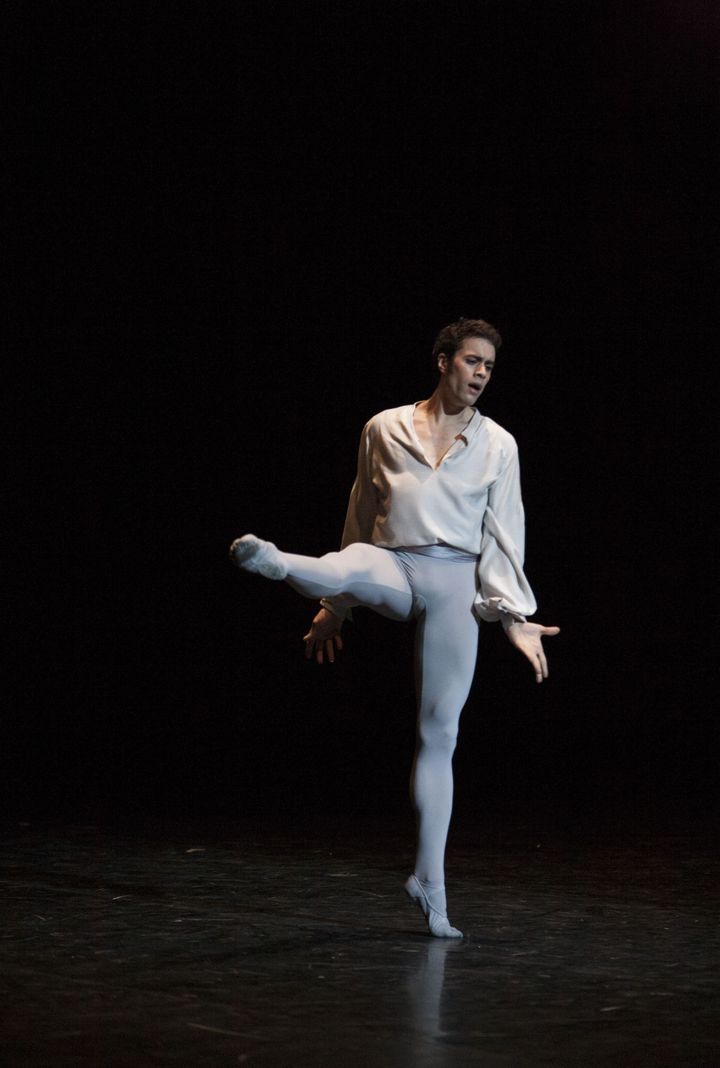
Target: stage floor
x=283 y=946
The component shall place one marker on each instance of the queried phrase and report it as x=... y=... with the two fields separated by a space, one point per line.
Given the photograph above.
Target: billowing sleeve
x=362 y=506
x=359 y=520
x=504 y=592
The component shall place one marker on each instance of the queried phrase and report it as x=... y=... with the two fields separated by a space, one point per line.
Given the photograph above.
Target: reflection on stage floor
x=297 y=947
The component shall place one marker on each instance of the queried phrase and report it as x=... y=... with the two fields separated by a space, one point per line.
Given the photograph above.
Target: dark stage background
x=237 y=229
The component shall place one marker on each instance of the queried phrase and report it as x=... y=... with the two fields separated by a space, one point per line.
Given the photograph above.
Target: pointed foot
x=260 y=557
x=431 y=900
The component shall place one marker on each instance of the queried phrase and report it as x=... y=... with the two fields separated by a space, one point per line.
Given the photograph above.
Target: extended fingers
x=312 y=646
x=331 y=644
x=536 y=655
x=322 y=647
x=539 y=659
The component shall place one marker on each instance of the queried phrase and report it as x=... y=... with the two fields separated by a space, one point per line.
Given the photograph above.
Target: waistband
x=443 y=552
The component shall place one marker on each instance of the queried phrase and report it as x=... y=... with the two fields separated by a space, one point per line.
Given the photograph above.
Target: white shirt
x=471 y=501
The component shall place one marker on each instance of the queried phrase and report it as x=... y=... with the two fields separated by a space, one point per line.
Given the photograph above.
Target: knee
x=337 y=572
x=438 y=734
x=350 y=566
x=331 y=563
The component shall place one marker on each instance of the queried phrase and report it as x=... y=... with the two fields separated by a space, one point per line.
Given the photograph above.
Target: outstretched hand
x=323 y=638
x=527 y=637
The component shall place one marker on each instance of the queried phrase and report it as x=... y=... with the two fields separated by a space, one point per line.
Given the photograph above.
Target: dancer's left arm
x=505 y=592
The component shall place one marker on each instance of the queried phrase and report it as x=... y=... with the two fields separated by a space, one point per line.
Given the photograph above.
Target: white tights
x=436 y=585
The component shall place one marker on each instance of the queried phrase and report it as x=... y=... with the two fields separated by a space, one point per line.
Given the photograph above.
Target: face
x=465 y=376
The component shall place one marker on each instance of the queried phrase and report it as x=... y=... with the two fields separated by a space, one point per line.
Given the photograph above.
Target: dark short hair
x=451 y=337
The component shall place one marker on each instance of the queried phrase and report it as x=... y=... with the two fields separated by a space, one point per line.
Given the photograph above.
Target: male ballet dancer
x=434 y=532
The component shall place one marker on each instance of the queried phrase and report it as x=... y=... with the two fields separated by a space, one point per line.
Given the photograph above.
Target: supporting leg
x=446 y=650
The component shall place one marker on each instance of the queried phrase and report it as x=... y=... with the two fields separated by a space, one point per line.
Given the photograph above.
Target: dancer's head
x=451 y=337
x=464 y=354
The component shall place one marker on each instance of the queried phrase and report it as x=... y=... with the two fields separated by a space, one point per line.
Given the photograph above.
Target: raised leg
x=361 y=574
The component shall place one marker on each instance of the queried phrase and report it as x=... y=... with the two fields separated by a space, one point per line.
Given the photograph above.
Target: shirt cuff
x=335 y=605
x=497 y=609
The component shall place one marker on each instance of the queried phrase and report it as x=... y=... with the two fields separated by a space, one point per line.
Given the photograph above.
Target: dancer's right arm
x=362 y=506
x=323 y=638
x=359 y=520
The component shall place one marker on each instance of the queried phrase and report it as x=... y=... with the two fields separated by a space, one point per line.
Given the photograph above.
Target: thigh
x=447 y=634
x=358 y=575
x=377 y=580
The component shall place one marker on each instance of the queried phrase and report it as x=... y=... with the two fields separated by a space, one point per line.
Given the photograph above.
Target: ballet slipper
x=437 y=920
x=261 y=557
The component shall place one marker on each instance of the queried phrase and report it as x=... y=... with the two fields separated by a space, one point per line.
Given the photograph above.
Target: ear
x=442 y=362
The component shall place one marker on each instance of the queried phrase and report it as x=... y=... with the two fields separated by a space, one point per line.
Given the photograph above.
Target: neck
x=442 y=409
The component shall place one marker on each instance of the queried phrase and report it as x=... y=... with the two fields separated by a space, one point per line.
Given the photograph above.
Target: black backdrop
x=236 y=230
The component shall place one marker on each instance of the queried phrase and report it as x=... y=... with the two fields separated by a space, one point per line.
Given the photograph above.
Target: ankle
x=430 y=884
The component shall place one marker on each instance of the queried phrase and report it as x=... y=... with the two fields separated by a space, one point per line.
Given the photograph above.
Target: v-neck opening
x=448 y=450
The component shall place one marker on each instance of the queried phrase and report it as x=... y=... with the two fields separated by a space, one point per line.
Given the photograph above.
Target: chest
x=435 y=442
